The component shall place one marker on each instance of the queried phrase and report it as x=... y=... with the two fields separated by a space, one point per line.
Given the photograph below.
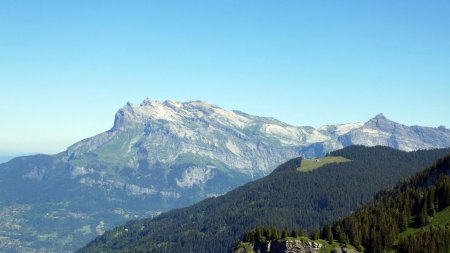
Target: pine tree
x=284 y=234
x=315 y=234
x=327 y=234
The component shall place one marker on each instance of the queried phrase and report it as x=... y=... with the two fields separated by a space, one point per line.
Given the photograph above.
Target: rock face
x=183 y=152
x=384 y=132
x=168 y=132
x=171 y=149
x=296 y=246
x=163 y=155
x=290 y=246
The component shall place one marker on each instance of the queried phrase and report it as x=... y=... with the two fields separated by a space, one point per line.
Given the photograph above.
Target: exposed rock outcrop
x=290 y=246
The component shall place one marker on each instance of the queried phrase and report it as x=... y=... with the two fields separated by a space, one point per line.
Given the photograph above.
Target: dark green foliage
x=327 y=233
x=378 y=224
x=315 y=234
x=286 y=198
x=436 y=240
x=268 y=234
x=294 y=233
x=285 y=233
x=291 y=165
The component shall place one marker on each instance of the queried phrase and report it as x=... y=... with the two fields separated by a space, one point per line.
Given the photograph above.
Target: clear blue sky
x=66 y=67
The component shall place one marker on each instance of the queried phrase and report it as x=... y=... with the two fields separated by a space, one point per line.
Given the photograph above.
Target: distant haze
x=4 y=159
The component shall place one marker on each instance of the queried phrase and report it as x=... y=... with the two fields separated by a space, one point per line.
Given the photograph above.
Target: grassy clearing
x=439 y=219
x=442 y=217
x=313 y=164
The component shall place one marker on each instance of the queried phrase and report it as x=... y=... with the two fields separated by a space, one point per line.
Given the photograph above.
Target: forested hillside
x=286 y=198
x=414 y=216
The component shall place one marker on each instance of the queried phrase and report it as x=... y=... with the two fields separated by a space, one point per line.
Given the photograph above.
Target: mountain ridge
x=158 y=156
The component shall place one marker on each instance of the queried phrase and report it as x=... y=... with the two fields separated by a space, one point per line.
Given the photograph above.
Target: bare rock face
x=384 y=132
x=290 y=246
x=193 y=148
x=296 y=246
x=240 y=250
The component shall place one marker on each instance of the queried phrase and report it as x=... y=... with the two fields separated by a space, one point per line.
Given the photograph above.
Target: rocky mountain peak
x=179 y=113
x=381 y=122
x=131 y=115
x=380 y=116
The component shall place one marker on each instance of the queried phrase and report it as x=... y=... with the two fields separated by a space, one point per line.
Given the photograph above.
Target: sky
x=66 y=67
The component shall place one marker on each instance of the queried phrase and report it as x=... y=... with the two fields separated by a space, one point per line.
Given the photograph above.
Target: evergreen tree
x=327 y=234
x=294 y=233
x=315 y=234
x=284 y=234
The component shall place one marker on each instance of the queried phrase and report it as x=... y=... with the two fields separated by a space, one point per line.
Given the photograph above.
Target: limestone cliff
x=291 y=246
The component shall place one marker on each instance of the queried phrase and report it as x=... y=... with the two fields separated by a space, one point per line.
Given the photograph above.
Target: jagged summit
x=176 y=112
x=201 y=118
x=381 y=122
x=380 y=116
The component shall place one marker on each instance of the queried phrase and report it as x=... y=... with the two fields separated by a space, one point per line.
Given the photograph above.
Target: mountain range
x=163 y=155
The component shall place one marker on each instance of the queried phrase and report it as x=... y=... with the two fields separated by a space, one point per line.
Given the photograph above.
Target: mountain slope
x=412 y=217
x=157 y=156
x=287 y=197
x=382 y=131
